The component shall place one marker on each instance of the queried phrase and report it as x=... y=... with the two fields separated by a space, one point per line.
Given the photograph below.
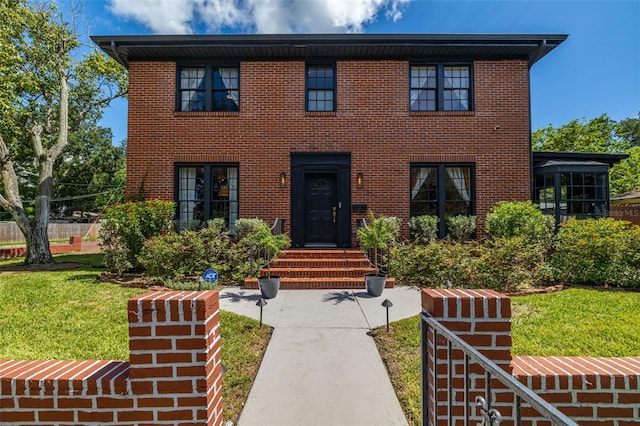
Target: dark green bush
x=504 y=264
x=126 y=227
x=189 y=253
x=461 y=227
x=432 y=264
x=520 y=219
x=424 y=229
x=508 y=264
x=598 y=251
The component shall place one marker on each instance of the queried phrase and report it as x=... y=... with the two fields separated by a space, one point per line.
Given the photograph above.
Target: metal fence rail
x=490 y=416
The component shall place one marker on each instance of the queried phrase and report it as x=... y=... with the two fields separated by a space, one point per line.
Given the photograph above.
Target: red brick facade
x=372 y=122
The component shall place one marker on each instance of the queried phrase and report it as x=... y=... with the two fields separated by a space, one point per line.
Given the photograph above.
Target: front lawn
x=580 y=322
x=70 y=314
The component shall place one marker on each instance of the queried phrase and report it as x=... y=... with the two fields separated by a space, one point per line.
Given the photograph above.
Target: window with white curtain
x=440 y=87
x=208 y=88
x=206 y=191
x=441 y=190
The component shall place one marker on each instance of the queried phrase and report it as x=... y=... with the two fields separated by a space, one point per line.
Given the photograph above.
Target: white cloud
x=259 y=16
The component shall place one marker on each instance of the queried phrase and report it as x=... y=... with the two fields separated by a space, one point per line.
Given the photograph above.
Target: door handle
x=334 y=215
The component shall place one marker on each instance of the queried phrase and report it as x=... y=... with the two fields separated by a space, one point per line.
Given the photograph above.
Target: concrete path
x=321 y=366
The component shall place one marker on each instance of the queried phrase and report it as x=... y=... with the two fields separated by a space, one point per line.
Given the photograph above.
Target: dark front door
x=320 y=209
x=320 y=200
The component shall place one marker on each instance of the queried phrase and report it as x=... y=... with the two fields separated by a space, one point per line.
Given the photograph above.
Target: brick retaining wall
x=174 y=375
x=592 y=391
x=74 y=245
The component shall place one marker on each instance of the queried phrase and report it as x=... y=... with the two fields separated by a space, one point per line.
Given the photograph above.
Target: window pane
x=456 y=100
x=423 y=100
x=424 y=184
x=456 y=77
x=190 y=195
x=192 y=78
x=225 y=78
x=193 y=100
x=423 y=77
x=226 y=100
x=457 y=180
x=320 y=100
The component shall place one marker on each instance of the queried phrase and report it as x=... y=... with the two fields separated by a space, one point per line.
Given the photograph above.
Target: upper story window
x=321 y=87
x=440 y=87
x=208 y=88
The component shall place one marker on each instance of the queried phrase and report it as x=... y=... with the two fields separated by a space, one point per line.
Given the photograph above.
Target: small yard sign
x=210 y=276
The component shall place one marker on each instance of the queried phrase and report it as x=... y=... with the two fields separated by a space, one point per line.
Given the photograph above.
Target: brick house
x=316 y=129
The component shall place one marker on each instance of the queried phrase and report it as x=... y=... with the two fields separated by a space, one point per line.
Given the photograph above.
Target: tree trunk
x=38 y=251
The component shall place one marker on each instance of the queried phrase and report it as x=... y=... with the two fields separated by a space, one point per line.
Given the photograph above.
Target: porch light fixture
x=283 y=180
x=359 y=180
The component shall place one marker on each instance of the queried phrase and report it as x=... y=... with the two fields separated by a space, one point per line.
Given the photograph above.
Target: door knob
x=334 y=215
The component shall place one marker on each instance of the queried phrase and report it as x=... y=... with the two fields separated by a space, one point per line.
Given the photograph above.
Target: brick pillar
x=76 y=243
x=175 y=357
x=482 y=318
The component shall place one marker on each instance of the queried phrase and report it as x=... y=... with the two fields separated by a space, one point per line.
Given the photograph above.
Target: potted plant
x=263 y=247
x=377 y=236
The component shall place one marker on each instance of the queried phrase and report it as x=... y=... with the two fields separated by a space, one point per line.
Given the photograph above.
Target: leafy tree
x=629 y=130
x=596 y=135
x=48 y=88
x=625 y=176
x=91 y=175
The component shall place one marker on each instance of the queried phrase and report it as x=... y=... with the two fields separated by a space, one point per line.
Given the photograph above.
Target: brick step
x=317 y=283
x=321 y=263
x=321 y=254
x=307 y=272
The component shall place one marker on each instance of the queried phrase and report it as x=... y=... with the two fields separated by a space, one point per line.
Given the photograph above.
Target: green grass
x=400 y=351
x=70 y=314
x=579 y=322
x=63 y=315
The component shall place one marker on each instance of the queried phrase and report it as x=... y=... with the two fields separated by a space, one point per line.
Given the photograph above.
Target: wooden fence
x=10 y=233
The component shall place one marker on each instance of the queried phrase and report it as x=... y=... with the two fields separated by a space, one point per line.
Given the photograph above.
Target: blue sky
x=595 y=71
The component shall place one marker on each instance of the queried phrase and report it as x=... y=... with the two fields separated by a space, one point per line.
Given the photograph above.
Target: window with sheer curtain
x=440 y=87
x=441 y=190
x=208 y=88
x=206 y=191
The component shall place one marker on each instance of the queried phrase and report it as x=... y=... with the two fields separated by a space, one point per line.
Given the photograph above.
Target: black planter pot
x=269 y=286
x=375 y=284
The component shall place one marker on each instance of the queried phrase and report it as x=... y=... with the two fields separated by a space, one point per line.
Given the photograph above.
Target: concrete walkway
x=321 y=366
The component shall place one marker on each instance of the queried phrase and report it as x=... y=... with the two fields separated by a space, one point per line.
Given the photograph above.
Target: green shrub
x=461 y=227
x=514 y=218
x=504 y=264
x=598 y=251
x=432 y=264
x=508 y=264
x=176 y=256
x=260 y=244
x=126 y=227
x=378 y=236
x=424 y=229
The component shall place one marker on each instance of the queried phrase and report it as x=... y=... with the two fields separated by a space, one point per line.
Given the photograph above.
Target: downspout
x=114 y=49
